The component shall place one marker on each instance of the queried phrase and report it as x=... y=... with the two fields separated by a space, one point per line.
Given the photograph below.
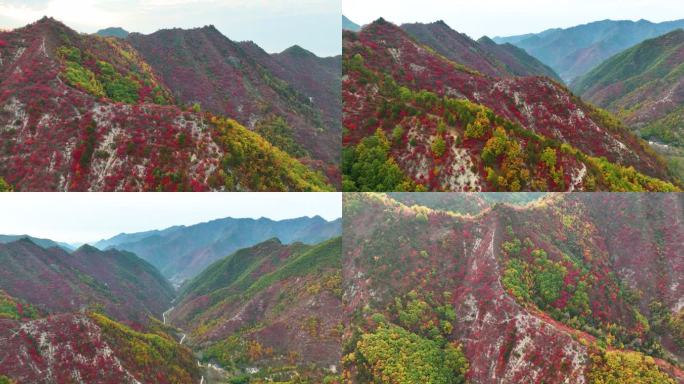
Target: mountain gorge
x=415 y=119
x=84 y=112
x=273 y=310
x=269 y=311
x=182 y=252
x=557 y=290
x=574 y=51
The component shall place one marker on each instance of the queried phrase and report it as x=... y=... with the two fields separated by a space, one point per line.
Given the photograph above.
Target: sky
x=273 y=24
x=477 y=18
x=88 y=217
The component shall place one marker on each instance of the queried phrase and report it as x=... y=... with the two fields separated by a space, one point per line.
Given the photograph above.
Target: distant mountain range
x=182 y=252
x=572 y=52
x=188 y=110
x=45 y=243
x=423 y=111
x=644 y=86
x=349 y=25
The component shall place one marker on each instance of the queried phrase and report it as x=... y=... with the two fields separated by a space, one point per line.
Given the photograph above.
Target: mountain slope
x=67 y=348
x=82 y=112
x=54 y=281
x=349 y=25
x=643 y=84
x=203 y=66
x=415 y=119
x=574 y=51
x=273 y=307
x=182 y=252
x=490 y=294
x=483 y=55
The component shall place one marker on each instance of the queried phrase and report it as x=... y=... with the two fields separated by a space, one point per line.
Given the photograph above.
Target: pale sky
x=273 y=24
x=477 y=18
x=88 y=217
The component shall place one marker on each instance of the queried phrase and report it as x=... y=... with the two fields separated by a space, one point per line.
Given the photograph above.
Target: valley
x=91 y=315
x=407 y=288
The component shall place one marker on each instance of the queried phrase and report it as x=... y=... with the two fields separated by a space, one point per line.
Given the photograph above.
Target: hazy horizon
x=274 y=25
x=501 y=18
x=77 y=218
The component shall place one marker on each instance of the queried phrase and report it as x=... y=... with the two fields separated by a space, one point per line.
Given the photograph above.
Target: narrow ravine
x=182 y=338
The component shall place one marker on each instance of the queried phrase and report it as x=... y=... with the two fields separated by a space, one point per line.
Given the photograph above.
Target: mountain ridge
x=204 y=243
x=483 y=55
x=492 y=289
x=430 y=117
x=573 y=51
x=92 y=95
x=71 y=282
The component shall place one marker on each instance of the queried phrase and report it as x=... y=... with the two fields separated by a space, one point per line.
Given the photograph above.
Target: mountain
x=468 y=204
x=349 y=25
x=244 y=82
x=182 y=252
x=90 y=348
x=83 y=112
x=122 y=285
x=113 y=32
x=414 y=119
x=45 y=243
x=572 y=52
x=644 y=86
x=274 y=309
x=582 y=288
x=483 y=55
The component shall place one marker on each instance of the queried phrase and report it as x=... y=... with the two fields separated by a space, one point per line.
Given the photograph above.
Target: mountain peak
x=113 y=32
x=87 y=248
x=380 y=21
x=485 y=40
x=297 y=50
x=49 y=22
x=210 y=28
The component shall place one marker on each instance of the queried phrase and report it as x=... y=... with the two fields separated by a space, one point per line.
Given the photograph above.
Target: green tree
x=397 y=356
x=4 y=186
x=548 y=157
x=369 y=167
x=438 y=146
